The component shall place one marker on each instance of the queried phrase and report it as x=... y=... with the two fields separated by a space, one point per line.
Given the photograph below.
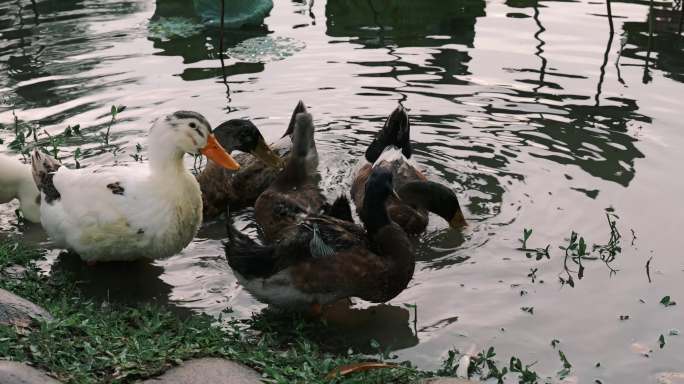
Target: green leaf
x=566 y=363
x=661 y=341
x=667 y=301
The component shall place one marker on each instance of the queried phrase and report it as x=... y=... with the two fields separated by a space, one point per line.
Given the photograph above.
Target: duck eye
x=193 y=125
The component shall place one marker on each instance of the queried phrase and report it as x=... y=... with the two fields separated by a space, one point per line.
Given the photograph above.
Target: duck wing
x=314 y=240
x=100 y=208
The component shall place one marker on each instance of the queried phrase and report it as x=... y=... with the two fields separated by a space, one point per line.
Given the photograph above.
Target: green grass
x=95 y=342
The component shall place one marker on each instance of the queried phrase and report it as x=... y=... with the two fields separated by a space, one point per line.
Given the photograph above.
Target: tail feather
x=396 y=132
x=44 y=168
x=300 y=108
x=340 y=209
x=247 y=257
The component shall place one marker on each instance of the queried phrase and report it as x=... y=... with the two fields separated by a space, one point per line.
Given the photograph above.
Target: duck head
x=379 y=188
x=243 y=135
x=186 y=132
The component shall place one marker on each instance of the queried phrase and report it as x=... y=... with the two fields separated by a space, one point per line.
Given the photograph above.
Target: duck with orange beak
x=130 y=212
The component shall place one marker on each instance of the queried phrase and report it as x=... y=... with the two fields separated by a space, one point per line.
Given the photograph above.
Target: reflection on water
x=404 y=23
x=388 y=325
x=658 y=37
x=117 y=282
x=540 y=114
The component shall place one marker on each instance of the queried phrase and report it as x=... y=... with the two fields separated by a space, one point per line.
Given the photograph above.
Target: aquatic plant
x=166 y=28
x=538 y=253
x=114 y=111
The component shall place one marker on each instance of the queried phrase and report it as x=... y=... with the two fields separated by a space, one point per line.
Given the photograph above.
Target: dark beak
x=265 y=154
x=458 y=221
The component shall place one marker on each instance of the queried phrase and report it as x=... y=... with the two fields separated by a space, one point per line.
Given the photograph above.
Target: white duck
x=16 y=182
x=134 y=212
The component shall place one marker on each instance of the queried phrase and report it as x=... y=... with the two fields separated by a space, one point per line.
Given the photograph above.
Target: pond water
x=535 y=112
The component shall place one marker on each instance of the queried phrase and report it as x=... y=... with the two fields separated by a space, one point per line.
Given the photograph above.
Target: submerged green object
x=166 y=28
x=238 y=13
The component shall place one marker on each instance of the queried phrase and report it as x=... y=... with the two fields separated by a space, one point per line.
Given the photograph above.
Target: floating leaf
x=640 y=348
x=265 y=49
x=566 y=363
x=667 y=301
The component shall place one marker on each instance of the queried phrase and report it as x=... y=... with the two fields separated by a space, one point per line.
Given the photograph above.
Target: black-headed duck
x=260 y=164
x=391 y=150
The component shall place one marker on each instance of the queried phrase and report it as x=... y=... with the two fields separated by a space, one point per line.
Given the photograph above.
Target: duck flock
x=311 y=253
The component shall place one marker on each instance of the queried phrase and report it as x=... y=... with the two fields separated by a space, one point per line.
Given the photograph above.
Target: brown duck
x=259 y=165
x=391 y=150
x=310 y=257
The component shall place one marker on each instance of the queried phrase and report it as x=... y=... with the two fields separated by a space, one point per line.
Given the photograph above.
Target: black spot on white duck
x=391 y=150
x=310 y=258
x=130 y=212
x=260 y=164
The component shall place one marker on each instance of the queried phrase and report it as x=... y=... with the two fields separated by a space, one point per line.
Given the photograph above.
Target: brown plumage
x=295 y=191
x=313 y=258
x=390 y=150
x=260 y=165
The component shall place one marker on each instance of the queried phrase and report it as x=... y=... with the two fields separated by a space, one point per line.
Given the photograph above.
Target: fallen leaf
x=357 y=367
x=640 y=348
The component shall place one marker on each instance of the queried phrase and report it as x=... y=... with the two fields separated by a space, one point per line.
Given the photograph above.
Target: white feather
x=130 y=212
x=16 y=182
x=279 y=290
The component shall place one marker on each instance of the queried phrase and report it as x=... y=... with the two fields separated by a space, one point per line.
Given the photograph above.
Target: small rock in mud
x=208 y=370
x=18 y=311
x=12 y=372
x=14 y=271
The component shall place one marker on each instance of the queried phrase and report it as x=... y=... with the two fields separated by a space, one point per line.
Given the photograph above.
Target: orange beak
x=214 y=151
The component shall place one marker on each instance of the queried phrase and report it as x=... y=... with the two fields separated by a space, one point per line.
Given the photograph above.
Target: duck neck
x=434 y=197
x=165 y=157
x=375 y=213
